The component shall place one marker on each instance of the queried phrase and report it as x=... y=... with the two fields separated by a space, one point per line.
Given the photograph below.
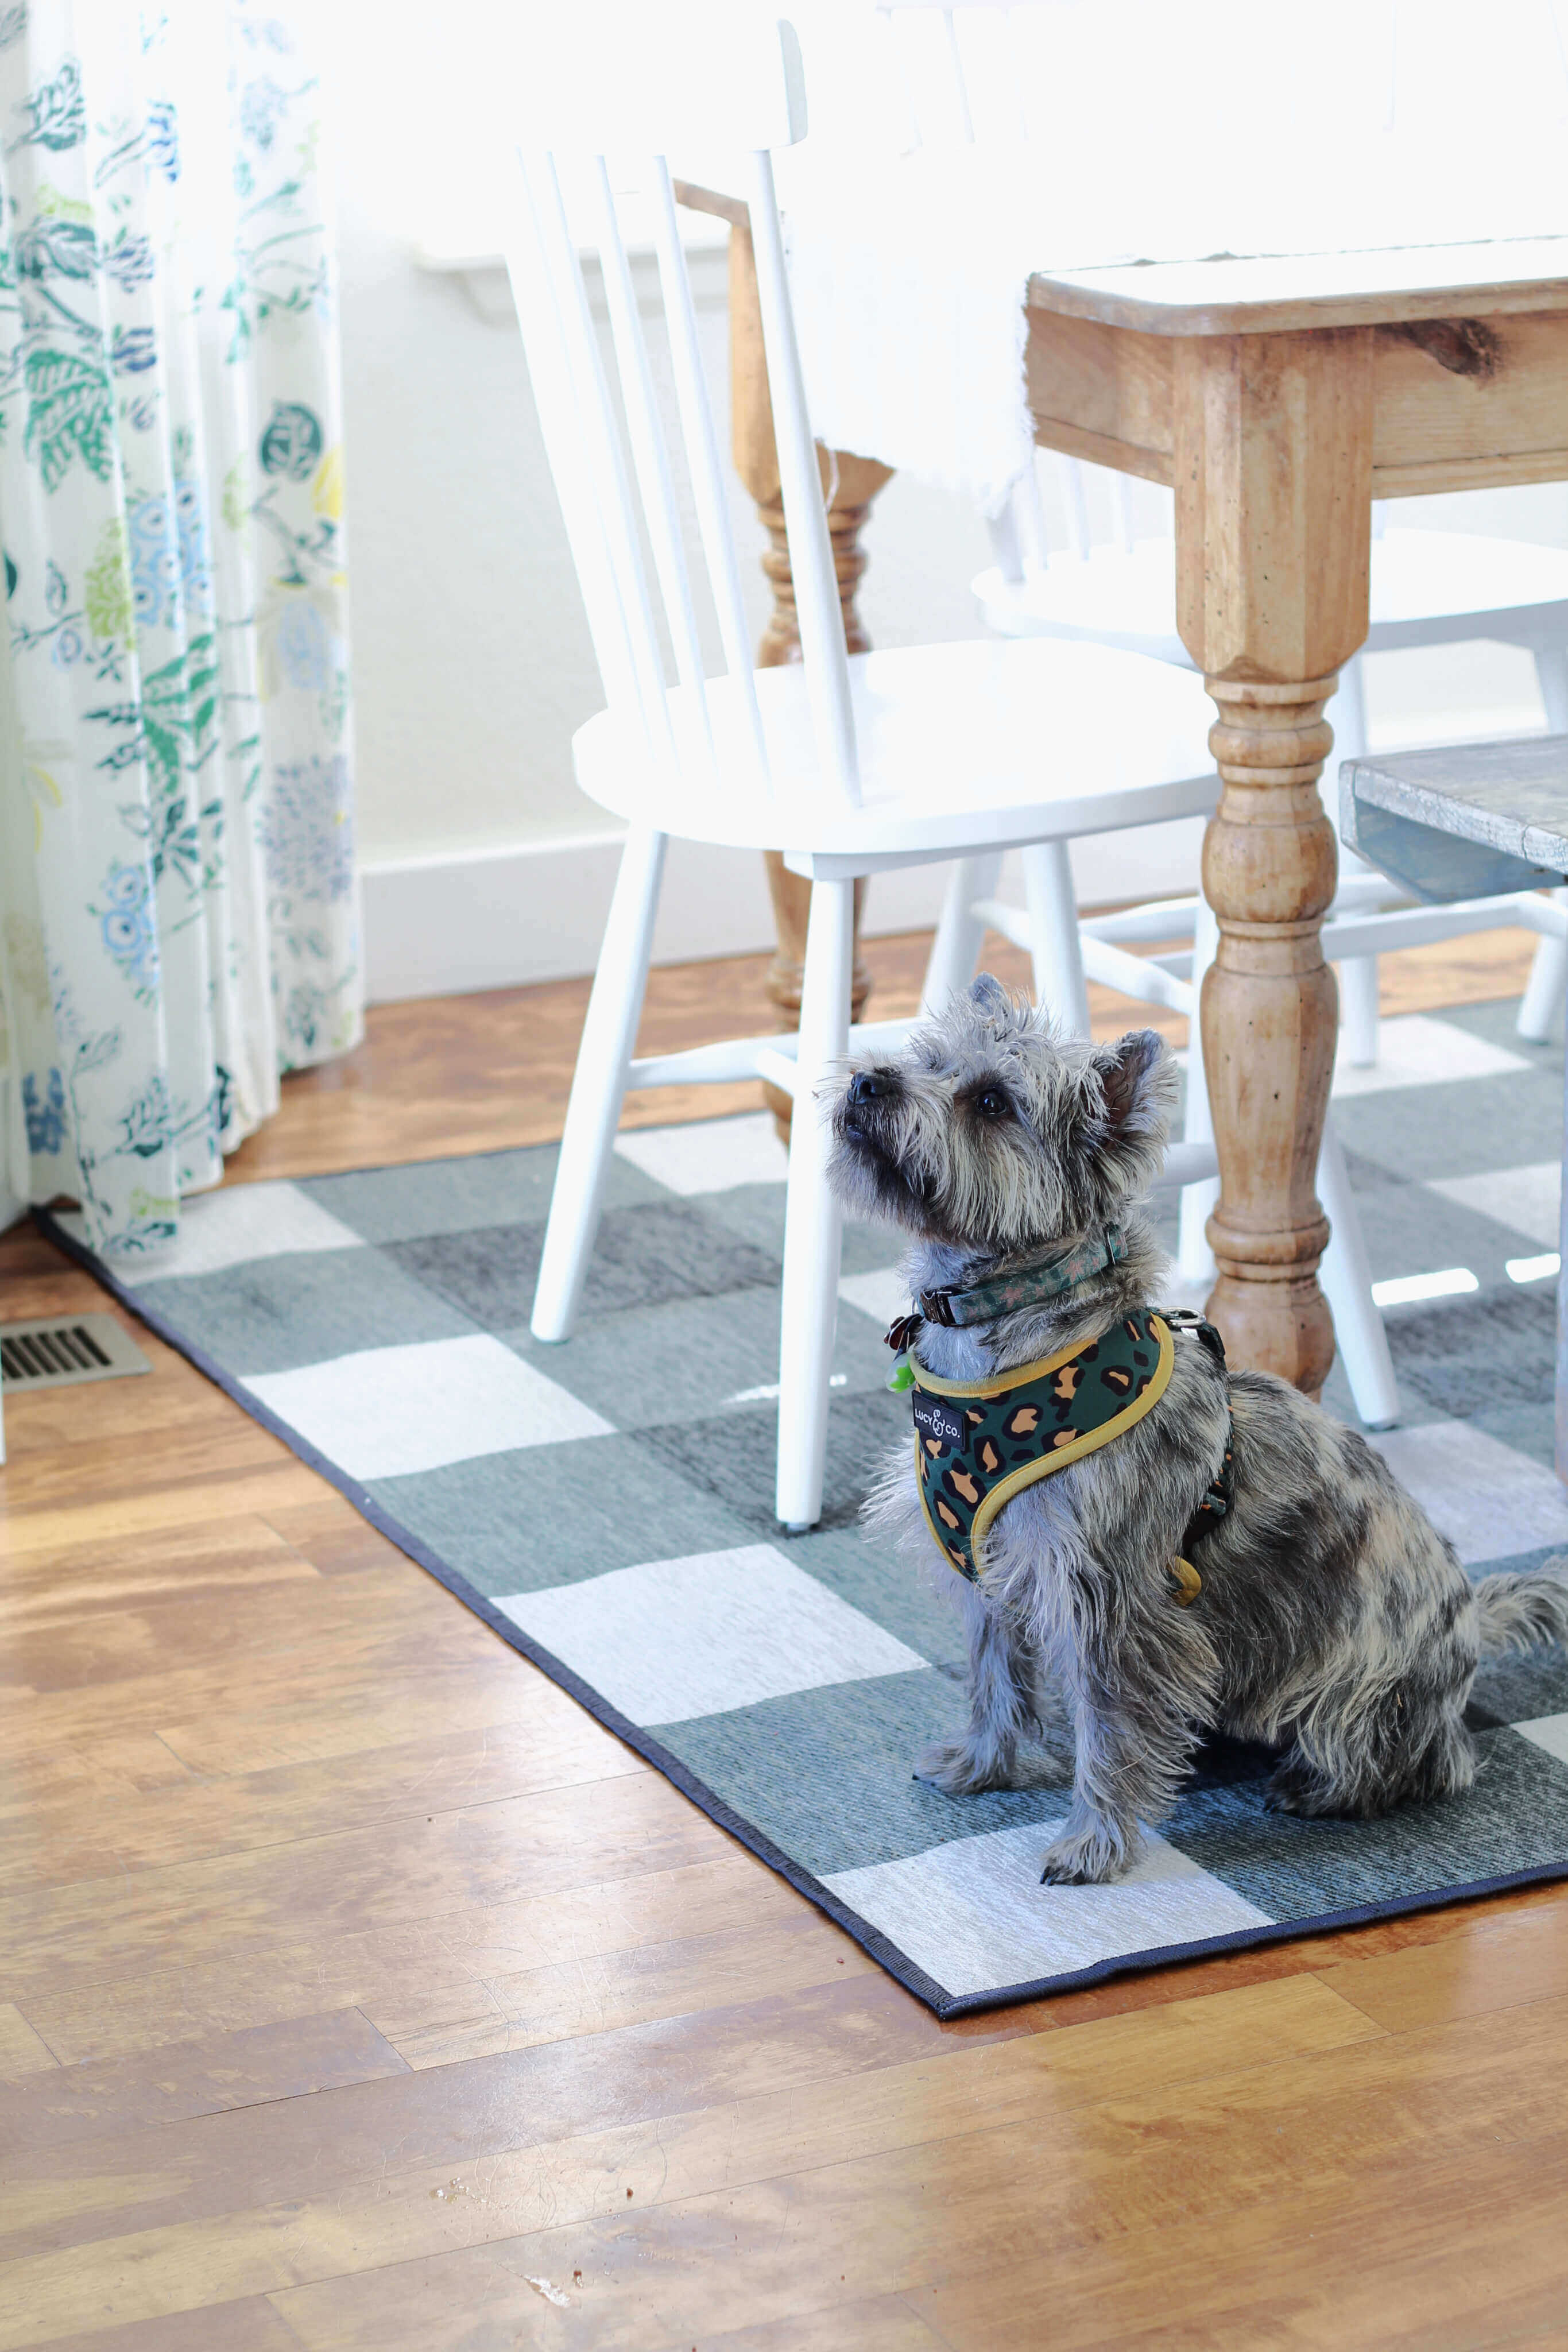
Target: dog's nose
x=868 y=1084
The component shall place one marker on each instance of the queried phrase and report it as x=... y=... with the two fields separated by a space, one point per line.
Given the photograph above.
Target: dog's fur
x=1334 y=1624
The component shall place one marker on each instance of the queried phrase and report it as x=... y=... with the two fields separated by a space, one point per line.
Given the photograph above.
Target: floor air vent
x=64 y=1348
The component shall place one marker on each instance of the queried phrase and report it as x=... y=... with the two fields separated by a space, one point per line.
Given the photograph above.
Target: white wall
x=484 y=864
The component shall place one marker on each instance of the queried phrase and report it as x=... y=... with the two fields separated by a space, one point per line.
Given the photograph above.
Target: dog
x=1315 y=1609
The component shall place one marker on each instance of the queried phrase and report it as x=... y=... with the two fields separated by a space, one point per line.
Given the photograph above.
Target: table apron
x=1458 y=404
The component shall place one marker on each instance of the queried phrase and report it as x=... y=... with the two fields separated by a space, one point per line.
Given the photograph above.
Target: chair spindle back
x=617 y=461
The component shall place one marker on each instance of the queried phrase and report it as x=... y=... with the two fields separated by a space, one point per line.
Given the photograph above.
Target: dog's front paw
x=1294 y=1788
x=962 y=1768
x=1085 y=1857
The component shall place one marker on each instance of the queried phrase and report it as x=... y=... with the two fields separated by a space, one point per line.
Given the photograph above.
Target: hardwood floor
x=358 y=1990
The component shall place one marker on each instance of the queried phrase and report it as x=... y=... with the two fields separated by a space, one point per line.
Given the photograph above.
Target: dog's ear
x=1136 y=1085
x=986 y=994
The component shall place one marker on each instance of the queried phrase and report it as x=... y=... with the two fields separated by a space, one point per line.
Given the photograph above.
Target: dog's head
x=994 y=1133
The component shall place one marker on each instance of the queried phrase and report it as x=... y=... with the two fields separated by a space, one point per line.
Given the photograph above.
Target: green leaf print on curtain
x=178 y=920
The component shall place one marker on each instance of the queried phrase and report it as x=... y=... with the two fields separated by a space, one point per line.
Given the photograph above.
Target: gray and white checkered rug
x=608 y=1507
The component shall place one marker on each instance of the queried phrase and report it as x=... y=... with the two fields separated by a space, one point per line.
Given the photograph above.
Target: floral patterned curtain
x=178 y=920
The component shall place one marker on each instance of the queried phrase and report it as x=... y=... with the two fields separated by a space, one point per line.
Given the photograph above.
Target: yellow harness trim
x=1189 y=1584
x=1028 y=1473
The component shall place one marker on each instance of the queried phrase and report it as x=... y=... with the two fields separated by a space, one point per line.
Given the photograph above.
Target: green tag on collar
x=902 y=1376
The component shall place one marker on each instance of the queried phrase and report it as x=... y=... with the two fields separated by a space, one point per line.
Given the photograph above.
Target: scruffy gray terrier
x=1328 y=1618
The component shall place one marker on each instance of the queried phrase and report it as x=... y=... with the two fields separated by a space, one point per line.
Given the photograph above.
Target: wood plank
x=1443 y=2256
x=403 y=2140
x=679 y=2157
x=23 y=2050
x=65 y=1527
x=1494 y=470
x=883 y=2324
x=1105 y=391
x=50 y=1588
x=202 y=1450
x=447 y=1957
x=212 y=2074
x=256 y=1663
x=346 y=1705
x=358 y=1878
x=1500 y=1963
x=252 y=2325
x=58 y=1840
x=330 y=1534
x=522 y=2008
x=1174 y=2178
x=119 y=1645
x=1487 y=389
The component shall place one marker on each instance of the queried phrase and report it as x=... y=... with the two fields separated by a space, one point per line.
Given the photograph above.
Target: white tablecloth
x=911 y=269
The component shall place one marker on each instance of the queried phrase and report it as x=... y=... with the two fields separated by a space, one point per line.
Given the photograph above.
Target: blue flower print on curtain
x=177 y=910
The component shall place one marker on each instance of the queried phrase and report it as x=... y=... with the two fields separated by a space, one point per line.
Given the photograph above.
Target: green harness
x=981 y=1443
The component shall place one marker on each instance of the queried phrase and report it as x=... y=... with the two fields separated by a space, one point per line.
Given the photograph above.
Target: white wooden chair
x=848 y=766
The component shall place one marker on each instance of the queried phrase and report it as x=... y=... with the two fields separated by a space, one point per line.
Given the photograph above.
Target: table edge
x=1285 y=314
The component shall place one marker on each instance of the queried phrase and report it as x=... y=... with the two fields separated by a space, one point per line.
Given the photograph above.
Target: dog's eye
x=992 y=1103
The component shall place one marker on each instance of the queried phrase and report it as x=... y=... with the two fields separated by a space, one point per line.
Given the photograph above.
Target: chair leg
x=598 y=1085
x=955 y=949
x=812 y=1221
x=1195 y=1259
x=1545 y=988
x=1346 y=1280
x=1359 y=1010
x=1346 y=714
x=1053 y=906
x=1549 y=972
x=1003 y=529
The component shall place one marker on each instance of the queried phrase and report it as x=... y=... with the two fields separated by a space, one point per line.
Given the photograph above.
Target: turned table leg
x=858 y=481
x=1273 y=487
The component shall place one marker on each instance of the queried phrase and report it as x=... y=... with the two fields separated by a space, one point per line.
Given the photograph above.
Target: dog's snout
x=868 y=1084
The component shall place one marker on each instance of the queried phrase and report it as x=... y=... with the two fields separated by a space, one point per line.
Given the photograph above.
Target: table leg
x=858 y=481
x=1273 y=483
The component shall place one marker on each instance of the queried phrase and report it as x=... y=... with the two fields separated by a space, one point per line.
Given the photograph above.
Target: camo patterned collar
x=978 y=1442
x=1028 y=1284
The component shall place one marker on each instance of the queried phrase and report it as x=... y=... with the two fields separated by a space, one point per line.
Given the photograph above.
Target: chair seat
x=963 y=748
x=1428 y=587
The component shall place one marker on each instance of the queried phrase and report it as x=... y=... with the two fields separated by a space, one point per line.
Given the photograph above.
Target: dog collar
x=1028 y=1284
x=979 y=1442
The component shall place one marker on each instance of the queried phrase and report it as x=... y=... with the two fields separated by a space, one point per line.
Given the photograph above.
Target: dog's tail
x=1520 y=1610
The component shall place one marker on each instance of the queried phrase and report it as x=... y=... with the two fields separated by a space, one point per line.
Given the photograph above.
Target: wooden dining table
x=1277 y=398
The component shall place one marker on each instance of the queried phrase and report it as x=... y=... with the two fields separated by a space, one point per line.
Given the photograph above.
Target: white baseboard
x=450 y=924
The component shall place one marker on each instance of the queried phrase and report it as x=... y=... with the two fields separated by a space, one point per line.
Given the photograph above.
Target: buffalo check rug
x=607 y=1507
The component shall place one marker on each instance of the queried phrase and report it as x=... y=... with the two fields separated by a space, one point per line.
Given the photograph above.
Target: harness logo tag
x=938 y=1421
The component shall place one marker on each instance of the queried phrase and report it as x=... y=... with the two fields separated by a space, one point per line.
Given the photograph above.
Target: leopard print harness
x=979 y=1442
